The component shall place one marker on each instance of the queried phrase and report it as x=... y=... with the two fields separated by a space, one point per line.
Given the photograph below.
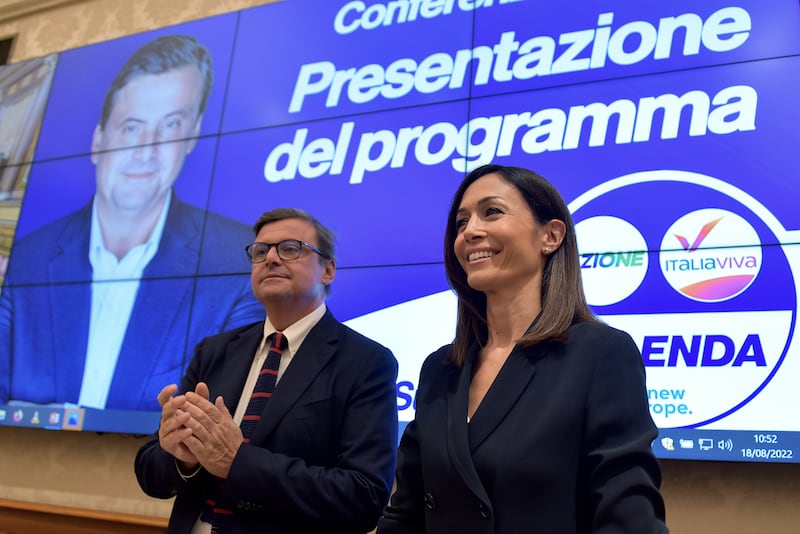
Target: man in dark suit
x=101 y=307
x=321 y=454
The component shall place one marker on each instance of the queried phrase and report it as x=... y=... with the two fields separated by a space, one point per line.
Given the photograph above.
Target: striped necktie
x=265 y=384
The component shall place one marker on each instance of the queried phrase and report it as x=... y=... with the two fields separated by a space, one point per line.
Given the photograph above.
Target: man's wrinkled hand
x=173 y=430
x=215 y=437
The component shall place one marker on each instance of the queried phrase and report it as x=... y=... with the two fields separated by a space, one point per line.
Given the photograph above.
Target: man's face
x=151 y=128
x=297 y=285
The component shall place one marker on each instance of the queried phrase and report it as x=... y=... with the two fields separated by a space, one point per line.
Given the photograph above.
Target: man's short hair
x=162 y=55
x=325 y=235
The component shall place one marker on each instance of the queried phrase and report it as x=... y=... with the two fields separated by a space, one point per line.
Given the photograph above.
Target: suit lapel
x=152 y=323
x=69 y=277
x=456 y=434
x=237 y=360
x=179 y=248
x=510 y=383
x=317 y=349
x=146 y=349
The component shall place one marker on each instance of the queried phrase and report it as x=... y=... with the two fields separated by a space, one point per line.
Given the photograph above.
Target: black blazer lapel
x=312 y=356
x=510 y=383
x=456 y=433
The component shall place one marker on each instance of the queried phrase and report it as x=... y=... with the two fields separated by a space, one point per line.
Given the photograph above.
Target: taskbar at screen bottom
x=61 y=417
x=721 y=445
x=671 y=443
x=727 y=445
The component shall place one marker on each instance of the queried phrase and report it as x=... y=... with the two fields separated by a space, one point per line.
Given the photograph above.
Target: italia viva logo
x=718 y=263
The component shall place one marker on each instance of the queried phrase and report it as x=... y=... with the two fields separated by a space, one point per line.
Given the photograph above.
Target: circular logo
x=613 y=259
x=710 y=255
x=715 y=321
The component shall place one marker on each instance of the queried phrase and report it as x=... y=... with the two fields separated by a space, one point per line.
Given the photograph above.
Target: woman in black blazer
x=535 y=420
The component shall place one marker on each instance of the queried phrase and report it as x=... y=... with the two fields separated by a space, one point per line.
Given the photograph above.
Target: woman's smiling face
x=499 y=243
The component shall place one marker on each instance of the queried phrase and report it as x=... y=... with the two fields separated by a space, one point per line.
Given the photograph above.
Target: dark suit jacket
x=559 y=445
x=46 y=304
x=322 y=457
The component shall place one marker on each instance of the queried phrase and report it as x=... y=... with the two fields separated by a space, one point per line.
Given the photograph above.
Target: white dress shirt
x=115 y=284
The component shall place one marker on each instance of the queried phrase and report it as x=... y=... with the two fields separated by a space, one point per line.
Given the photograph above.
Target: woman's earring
x=547 y=251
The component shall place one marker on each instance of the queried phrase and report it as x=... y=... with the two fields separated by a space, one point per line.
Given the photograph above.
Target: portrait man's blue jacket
x=196 y=285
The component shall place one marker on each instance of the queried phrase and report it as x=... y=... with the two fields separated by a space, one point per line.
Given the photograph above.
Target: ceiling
x=11 y=9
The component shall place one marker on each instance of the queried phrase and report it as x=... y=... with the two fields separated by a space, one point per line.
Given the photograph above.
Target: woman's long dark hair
x=563 y=300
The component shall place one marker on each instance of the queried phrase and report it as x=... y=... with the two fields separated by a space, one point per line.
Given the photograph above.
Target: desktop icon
x=35 y=419
x=18 y=416
x=2 y=415
x=706 y=444
x=55 y=417
x=73 y=419
x=668 y=443
x=686 y=443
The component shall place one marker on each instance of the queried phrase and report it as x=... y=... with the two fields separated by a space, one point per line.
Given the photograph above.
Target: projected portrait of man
x=101 y=307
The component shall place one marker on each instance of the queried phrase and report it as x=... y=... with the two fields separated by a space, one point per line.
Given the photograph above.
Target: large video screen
x=126 y=198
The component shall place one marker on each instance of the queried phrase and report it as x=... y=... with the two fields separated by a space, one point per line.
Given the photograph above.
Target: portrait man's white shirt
x=115 y=284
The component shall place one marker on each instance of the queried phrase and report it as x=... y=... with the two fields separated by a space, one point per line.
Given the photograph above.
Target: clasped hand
x=198 y=432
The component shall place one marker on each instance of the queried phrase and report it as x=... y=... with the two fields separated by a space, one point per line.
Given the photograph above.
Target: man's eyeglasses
x=288 y=250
